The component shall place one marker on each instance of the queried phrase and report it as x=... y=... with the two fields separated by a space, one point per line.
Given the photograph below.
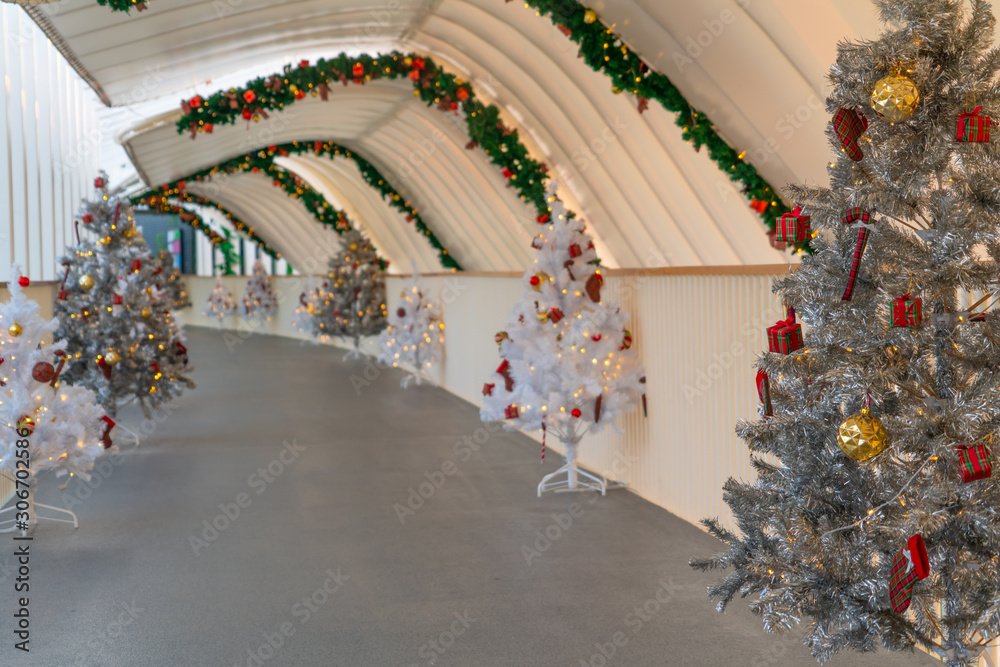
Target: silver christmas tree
x=354 y=301
x=881 y=527
x=115 y=321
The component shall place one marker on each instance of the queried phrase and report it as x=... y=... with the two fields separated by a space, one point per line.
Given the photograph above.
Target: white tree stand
x=570 y=477
x=354 y=353
x=33 y=515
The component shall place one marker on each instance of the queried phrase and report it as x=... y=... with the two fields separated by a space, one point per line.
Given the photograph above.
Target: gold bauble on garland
x=86 y=282
x=15 y=330
x=616 y=90
x=895 y=97
x=112 y=358
x=862 y=436
x=589 y=16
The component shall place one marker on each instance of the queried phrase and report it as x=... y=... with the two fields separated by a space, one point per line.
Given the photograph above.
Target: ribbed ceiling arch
x=646 y=190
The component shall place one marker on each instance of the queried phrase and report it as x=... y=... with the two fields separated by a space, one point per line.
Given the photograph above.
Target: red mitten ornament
x=850 y=124
x=910 y=565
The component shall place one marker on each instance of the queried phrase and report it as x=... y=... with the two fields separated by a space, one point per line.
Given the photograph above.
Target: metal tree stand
x=570 y=477
x=33 y=516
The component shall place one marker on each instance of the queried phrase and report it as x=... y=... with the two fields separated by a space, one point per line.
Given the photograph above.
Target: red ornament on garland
x=196 y=101
x=462 y=93
x=593 y=287
x=543 y=218
x=209 y=128
x=247 y=114
x=303 y=63
x=758 y=205
x=358 y=70
x=249 y=97
x=507 y=173
x=414 y=74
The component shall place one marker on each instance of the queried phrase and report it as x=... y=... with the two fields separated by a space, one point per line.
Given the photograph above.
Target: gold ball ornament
x=862 y=436
x=589 y=16
x=104 y=241
x=86 y=282
x=353 y=247
x=536 y=281
x=616 y=90
x=112 y=358
x=543 y=317
x=146 y=312
x=129 y=232
x=895 y=97
x=15 y=330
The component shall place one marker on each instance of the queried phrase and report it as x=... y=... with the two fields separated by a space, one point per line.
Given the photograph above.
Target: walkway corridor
x=367 y=525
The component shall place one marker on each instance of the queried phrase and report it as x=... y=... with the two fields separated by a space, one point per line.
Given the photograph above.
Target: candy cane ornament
x=866 y=222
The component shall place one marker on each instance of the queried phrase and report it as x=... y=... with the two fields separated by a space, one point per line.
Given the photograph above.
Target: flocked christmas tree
x=220 y=304
x=415 y=335
x=873 y=514
x=116 y=322
x=567 y=363
x=171 y=280
x=354 y=303
x=259 y=301
x=310 y=298
x=64 y=426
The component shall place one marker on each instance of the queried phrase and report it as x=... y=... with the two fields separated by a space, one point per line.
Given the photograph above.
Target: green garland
x=220 y=241
x=123 y=5
x=430 y=83
x=262 y=161
x=605 y=52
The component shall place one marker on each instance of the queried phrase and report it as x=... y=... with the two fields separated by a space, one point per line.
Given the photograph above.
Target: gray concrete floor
x=449 y=584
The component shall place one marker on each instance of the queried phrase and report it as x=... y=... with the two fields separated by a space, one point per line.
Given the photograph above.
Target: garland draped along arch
x=160 y=203
x=605 y=52
x=263 y=161
x=431 y=84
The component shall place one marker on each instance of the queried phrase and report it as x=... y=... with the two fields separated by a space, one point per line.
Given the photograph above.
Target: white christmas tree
x=53 y=427
x=415 y=335
x=259 y=300
x=567 y=360
x=114 y=318
x=309 y=301
x=220 y=304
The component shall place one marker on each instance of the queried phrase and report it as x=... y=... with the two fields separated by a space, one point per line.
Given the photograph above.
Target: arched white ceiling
x=756 y=68
x=282 y=222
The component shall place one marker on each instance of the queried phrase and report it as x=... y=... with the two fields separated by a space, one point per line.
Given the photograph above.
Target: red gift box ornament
x=865 y=219
x=792 y=227
x=786 y=335
x=910 y=565
x=974 y=462
x=973 y=128
x=510 y=412
x=574 y=250
x=555 y=315
x=358 y=70
x=99 y=182
x=906 y=311
x=850 y=124
x=764 y=392
x=87 y=218
x=136 y=265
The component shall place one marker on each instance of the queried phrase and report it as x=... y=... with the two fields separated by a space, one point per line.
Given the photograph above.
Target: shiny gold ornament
x=616 y=90
x=86 y=282
x=895 y=97
x=862 y=436
x=353 y=247
x=538 y=280
x=129 y=232
x=589 y=16
x=146 y=312
x=15 y=330
x=104 y=241
x=112 y=358
x=543 y=317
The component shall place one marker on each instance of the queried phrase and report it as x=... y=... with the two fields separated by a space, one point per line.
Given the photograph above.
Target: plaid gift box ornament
x=764 y=392
x=792 y=227
x=910 y=565
x=906 y=311
x=786 y=335
x=973 y=128
x=974 y=461
x=865 y=220
x=850 y=124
